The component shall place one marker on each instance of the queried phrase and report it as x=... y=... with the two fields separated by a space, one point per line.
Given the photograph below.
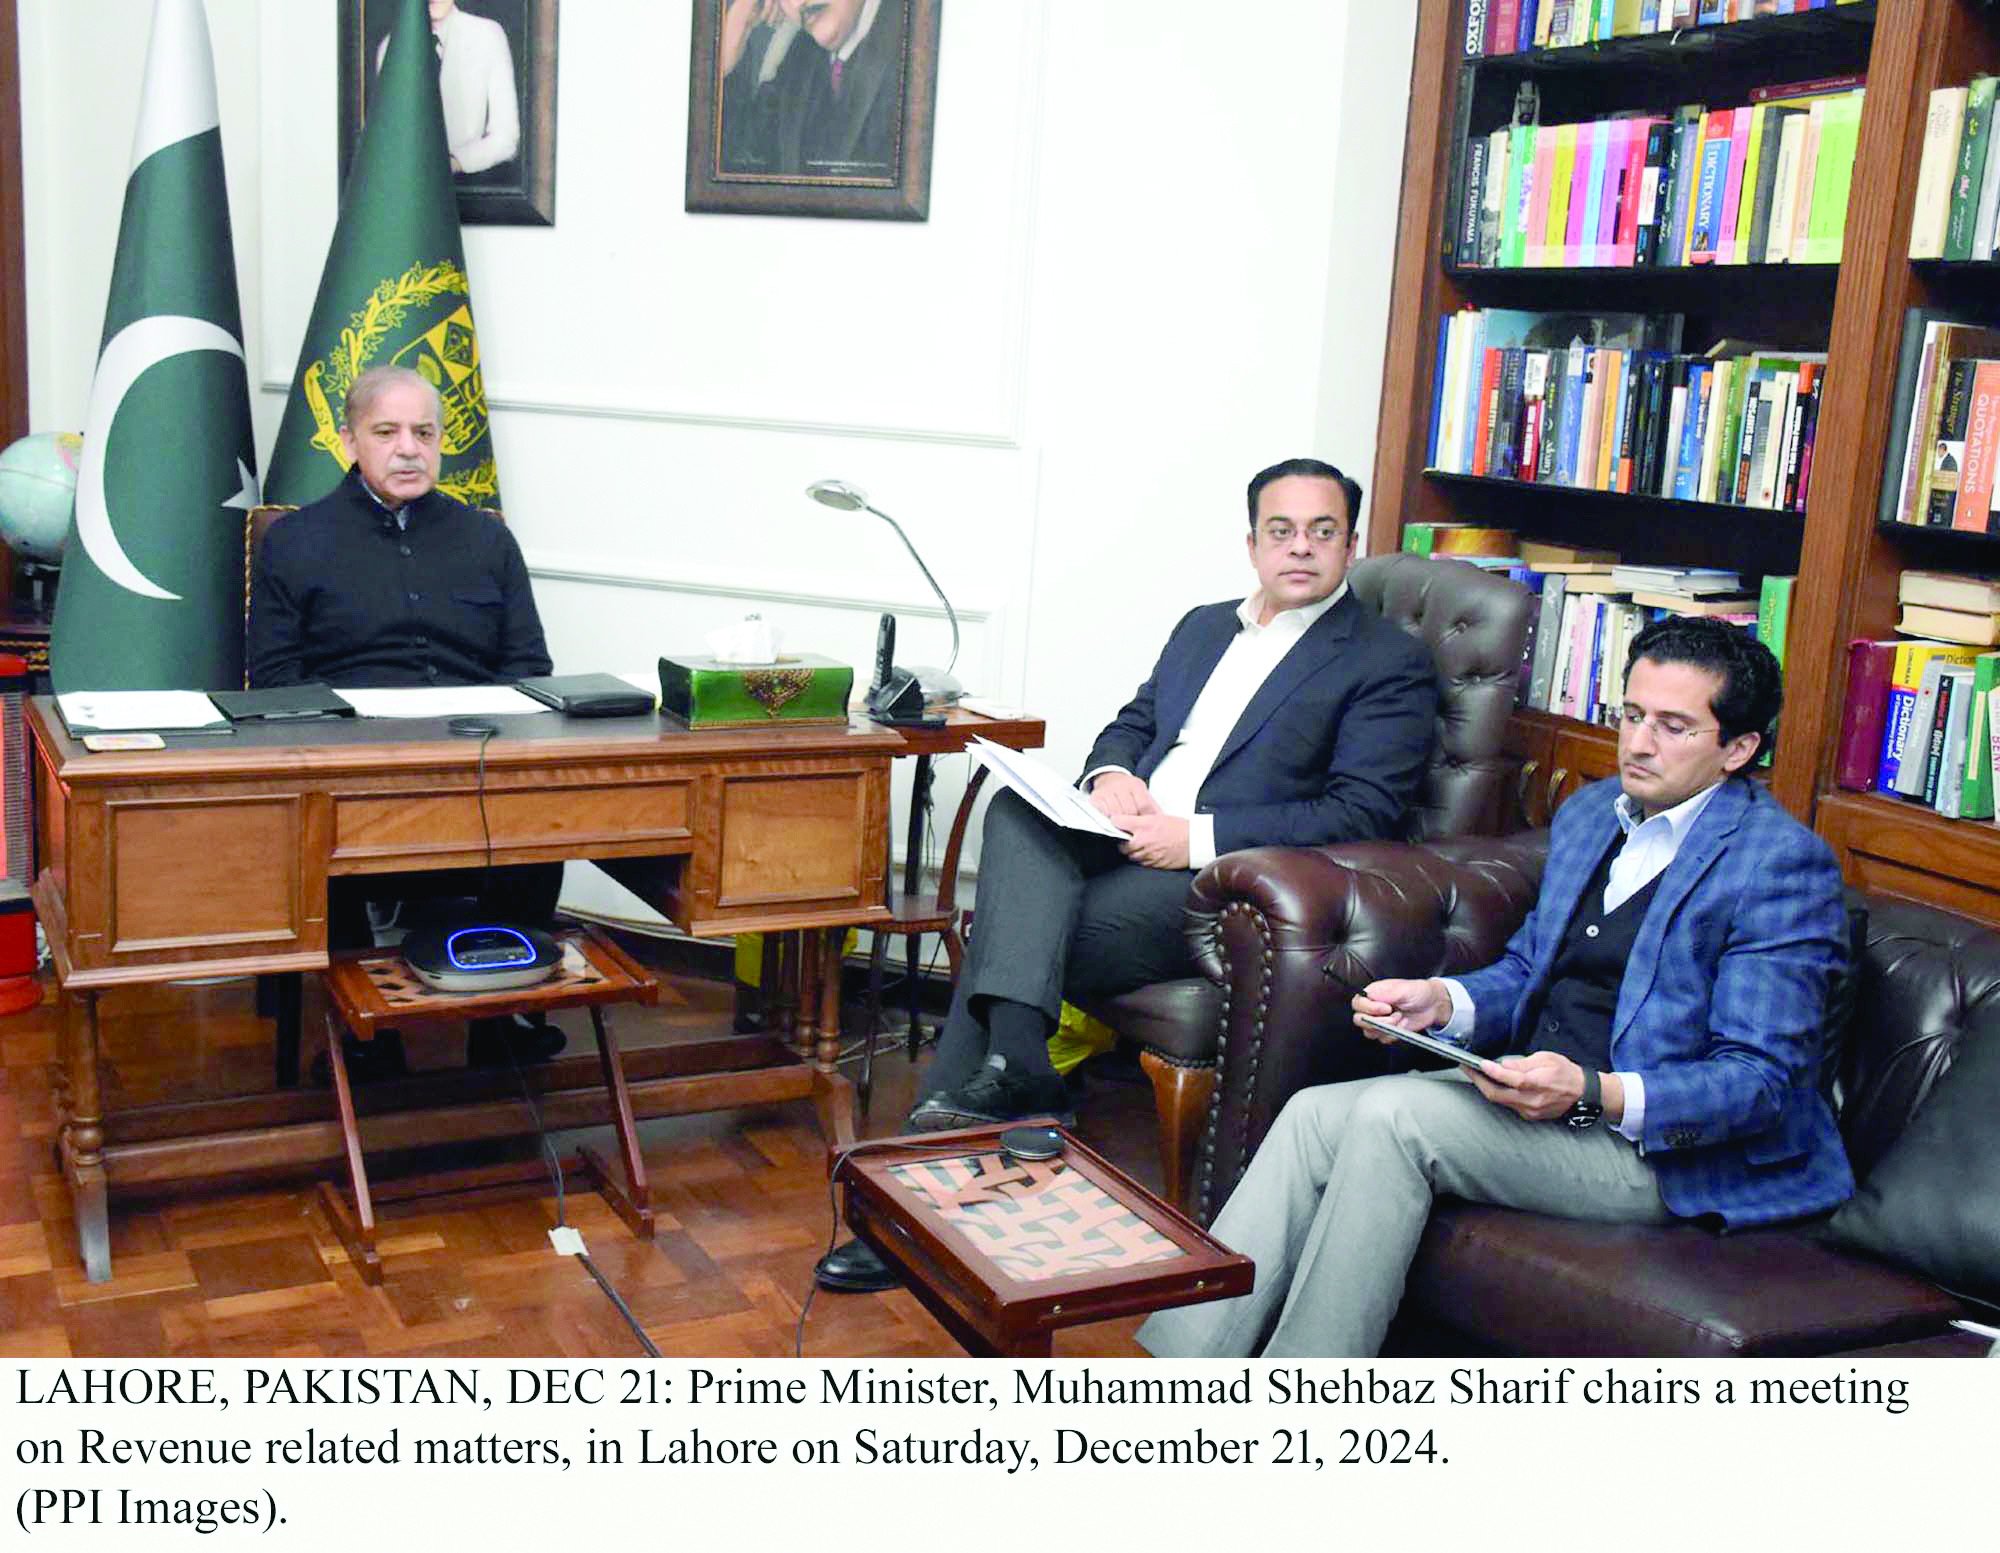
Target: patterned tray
x=397 y=985
x=1034 y=1220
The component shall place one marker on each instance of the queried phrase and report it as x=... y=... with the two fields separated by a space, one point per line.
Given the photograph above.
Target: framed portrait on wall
x=497 y=76
x=813 y=107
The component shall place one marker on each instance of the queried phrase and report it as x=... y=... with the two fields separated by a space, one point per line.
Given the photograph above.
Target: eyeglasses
x=1669 y=729
x=1324 y=531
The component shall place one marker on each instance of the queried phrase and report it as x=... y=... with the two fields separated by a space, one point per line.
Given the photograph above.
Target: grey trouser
x=1335 y=1201
x=1060 y=914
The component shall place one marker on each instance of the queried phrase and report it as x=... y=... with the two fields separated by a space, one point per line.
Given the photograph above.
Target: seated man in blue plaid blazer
x=1652 y=1032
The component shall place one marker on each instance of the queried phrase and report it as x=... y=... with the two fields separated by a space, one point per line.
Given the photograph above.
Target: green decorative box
x=798 y=688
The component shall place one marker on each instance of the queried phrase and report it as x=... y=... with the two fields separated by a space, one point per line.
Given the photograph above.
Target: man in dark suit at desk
x=1296 y=717
x=389 y=582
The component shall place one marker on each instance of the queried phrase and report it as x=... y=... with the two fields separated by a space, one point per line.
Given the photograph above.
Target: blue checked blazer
x=1720 y=1010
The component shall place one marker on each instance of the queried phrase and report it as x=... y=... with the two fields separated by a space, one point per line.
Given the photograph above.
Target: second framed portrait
x=497 y=76
x=813 y=107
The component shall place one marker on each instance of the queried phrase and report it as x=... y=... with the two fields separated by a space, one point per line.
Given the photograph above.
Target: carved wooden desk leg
x=833 y=1104
x=770 y=981
x=630 y=1199
x=83 y=1141
x=781 y=970
x=59 y=1073
x=831 y=944
x=805 y=1037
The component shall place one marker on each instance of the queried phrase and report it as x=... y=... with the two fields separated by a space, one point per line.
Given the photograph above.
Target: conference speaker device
x=486 y=957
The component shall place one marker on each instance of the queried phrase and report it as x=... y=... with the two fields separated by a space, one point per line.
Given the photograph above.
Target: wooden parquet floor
x=252 y=1268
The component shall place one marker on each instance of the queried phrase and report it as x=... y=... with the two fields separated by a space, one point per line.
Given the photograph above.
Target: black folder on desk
x=287 y=703
x=588 y=695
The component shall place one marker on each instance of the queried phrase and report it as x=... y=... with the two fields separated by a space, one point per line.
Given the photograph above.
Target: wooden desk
x=211 y=858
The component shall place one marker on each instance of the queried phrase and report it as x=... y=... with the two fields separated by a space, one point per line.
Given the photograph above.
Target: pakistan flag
x=152 y=580
x=394 y=289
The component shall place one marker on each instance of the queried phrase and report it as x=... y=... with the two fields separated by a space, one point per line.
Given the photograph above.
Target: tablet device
x=1448 y=1050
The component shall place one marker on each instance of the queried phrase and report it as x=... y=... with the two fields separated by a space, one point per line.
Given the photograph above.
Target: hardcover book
x=1870 y=668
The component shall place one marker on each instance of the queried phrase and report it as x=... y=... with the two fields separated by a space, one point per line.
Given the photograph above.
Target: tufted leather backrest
x=1476 y=626
x=1930 y=982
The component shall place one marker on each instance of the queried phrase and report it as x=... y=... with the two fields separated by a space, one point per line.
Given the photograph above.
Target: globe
x=38 y=494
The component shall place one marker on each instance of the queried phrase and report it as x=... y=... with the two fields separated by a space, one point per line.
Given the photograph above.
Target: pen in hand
x=1352 y=988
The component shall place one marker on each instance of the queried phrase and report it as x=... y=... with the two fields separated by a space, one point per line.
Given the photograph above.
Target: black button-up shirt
x=341 y=594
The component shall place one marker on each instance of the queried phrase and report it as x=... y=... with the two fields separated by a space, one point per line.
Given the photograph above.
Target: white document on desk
x=126 y=711
x=1048 y=794
x=442 y=701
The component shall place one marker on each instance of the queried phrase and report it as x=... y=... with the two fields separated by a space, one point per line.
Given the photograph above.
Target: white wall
x=1157 y=258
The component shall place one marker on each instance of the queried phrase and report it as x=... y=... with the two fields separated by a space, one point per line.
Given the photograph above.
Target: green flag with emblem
x=152 y=580
x=394 y=291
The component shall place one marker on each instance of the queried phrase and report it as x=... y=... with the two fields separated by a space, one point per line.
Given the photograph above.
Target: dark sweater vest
x=1574 y=1010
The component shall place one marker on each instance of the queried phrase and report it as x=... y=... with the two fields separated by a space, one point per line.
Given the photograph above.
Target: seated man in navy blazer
x=1296 y=717
x=1657 y=1021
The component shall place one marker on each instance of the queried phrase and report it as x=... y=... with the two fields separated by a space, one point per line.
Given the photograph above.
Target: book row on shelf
x=1608 y=402
x=1591 y=605
x=1517 y=26
x=1944 y=427
x=1958 y=183
x=1919 y=720
x=1763 y=183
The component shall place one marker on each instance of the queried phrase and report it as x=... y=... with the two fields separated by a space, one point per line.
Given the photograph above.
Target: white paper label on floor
x=566 y=1241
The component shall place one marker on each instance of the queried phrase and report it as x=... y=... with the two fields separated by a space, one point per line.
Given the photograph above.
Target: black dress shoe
x=854 y=1268
x=996 y=1093
x=522 y=1038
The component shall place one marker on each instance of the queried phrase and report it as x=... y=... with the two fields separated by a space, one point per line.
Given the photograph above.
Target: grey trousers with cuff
x=1336 y=1198
x=1060 y=915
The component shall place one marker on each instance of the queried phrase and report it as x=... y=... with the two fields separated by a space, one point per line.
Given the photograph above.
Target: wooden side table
x=1004 y=1251
x=376 y=990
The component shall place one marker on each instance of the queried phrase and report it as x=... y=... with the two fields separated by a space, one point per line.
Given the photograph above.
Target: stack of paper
x=127 y=711
x=1048 y=794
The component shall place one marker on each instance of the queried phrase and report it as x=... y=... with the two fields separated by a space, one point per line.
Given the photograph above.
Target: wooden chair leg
x=1180 y=1096
x=355 y=1228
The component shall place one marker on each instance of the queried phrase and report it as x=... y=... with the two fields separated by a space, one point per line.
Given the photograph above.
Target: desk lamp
x=939 y=687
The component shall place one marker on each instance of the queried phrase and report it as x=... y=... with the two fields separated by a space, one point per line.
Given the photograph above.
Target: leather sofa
x=1284 y=935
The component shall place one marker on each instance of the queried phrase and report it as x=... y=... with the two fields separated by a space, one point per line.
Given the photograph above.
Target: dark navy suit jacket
x=1330 y=748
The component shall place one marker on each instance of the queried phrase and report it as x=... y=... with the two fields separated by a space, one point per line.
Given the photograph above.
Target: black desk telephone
x=895 y=697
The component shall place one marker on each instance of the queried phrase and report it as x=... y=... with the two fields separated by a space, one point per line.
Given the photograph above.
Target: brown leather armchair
x=1476 y=625
x=1495 y=1280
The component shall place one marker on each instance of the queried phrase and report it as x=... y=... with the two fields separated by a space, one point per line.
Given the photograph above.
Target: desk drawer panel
x=622 y=818
x=793 y=839
x=203 y=871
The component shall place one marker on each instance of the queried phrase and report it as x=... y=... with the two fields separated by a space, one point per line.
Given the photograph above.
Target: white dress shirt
x=482 y=114
x=1649 y=846
x=1244 y=666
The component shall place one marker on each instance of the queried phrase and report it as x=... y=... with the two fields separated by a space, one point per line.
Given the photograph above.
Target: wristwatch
x=1590 y=1105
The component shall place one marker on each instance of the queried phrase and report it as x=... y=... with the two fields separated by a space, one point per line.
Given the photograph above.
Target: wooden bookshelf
x=1846 y=563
